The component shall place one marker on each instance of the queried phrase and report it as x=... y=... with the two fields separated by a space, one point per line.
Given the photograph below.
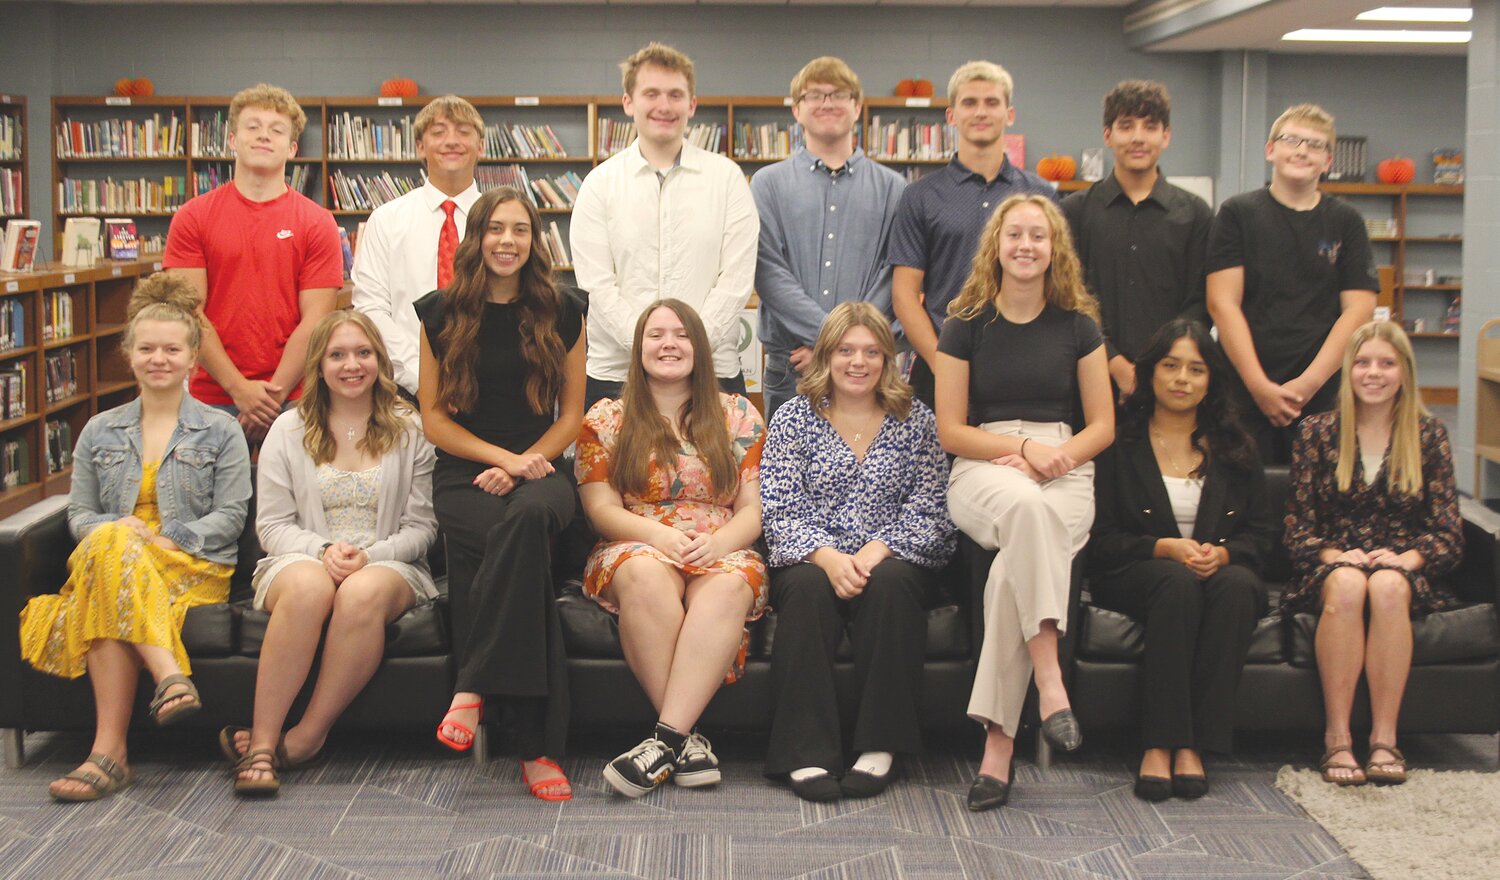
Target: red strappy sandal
x=538 y=786
x=449 y=741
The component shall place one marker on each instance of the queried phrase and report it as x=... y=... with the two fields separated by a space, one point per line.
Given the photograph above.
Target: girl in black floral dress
x=1372 y=521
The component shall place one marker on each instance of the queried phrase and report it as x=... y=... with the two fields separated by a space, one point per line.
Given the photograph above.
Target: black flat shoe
x=1153 y=788
x=820 y=789
x=987 y=792
x=1062 y=730
x=859 y=784
x=1189 y=786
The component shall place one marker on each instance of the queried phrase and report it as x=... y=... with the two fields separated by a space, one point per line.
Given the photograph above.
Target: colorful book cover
x=124 y=241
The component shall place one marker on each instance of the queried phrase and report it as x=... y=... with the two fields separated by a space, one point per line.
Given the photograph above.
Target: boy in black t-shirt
x=1290 y=275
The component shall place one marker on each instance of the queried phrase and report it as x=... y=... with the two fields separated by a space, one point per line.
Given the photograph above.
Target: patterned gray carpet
x=399 y=808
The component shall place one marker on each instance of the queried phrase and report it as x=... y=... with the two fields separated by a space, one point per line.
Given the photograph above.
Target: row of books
x=86 y=239
x=62 y=375
x=210 y=136
x=10 y=137
x=12 y=324
x=12 y=192
x=142 y=195
x=558 y=191
x=351 y=136
x=366 y=192
x=614 y=136
x=18 y=250
x=212 y=175
x=153 y=138
x=769 y=140
x=710 y=136
x=59 y=445
x=910 y=139
x=552 y=241
x=523 y=141
x=57 y=315
x=15 y=463
x=13 y=391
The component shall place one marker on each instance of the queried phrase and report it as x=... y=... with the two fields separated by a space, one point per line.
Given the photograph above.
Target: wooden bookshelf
x=102 y=377
x=1487 y=402
x=13 y=162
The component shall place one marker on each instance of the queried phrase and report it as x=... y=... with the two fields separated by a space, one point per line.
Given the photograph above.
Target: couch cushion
x=1460 y=634
x=1112 y=636
x=588 y=630
x=420 y=632
x=209 y=630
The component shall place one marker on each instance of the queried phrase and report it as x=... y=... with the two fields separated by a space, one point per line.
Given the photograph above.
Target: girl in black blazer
x=1182 y=528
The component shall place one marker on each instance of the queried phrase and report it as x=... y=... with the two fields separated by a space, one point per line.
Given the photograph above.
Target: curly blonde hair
x=1063 y=285
x=268 y=97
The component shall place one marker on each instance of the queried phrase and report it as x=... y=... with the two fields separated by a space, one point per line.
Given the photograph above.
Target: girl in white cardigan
x=344 y=513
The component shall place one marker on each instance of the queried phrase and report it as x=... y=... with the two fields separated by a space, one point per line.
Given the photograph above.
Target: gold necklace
x=860 y=434
x=1171 y=460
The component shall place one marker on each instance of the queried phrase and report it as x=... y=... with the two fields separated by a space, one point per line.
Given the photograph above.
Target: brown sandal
x=1328 y=765
x=260 y=785
x=115 y=778
x=1386 y=772
x=184 y=703
x=232 y=753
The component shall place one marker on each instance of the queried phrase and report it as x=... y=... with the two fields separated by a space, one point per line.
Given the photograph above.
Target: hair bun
x=163 y=288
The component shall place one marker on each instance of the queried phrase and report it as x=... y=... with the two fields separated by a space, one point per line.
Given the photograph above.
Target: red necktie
x=447 y=245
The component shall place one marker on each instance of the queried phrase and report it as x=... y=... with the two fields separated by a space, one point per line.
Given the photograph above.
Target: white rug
x=1438 y=826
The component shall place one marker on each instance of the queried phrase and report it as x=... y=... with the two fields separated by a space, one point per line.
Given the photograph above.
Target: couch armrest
x=34 y=548
x=1477 y=578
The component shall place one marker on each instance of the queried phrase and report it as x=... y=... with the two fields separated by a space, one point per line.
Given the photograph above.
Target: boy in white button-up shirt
x=396 y=257
x=662 y=218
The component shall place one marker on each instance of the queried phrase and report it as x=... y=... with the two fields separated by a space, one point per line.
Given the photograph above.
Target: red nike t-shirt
x=259 y=257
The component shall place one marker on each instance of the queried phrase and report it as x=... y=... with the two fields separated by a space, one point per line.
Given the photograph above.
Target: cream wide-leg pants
x=1037 y=529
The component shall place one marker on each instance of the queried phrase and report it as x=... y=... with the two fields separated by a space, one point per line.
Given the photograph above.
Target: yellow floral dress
x=122 y=587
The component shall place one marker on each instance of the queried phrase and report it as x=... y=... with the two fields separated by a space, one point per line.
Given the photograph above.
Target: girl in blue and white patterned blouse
x=853 y=485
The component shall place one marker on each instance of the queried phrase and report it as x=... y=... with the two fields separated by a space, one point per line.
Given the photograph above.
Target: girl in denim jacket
x=160 y=488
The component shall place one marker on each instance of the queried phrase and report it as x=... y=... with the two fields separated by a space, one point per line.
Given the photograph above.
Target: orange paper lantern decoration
x=1056 y=167
x=123 y=87
x=143 y=87
x=1397 y=169
x=906 y=88
x=399 y=87
x=923 y=88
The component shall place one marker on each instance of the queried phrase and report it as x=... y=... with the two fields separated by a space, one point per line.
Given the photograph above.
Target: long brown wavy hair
x=645 y=432
x=1404 y=467
x=1063 y=284
x=538 y=305
x=891 y=391
x=390 y=416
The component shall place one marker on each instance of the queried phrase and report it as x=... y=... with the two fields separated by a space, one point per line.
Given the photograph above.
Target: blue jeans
x=778 y=381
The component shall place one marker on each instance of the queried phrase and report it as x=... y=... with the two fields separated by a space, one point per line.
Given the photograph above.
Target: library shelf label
x=919 y=102
x=69 y=278
x=787 y=101
x=156 y=266
x=388 y=102
x=528 y=101
x=4 y=99
x=115 y=271
x=116 y=101
x=12 y=286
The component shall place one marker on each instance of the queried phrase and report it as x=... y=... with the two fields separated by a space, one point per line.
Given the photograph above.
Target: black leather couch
x=1455 y=678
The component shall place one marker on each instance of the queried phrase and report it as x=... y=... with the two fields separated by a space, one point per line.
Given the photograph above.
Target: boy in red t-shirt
x=266 y=262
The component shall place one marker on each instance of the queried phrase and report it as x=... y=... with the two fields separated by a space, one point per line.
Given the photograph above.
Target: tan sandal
x=231 y=751
x=1328 y=765
x=1386 y=772
x=115 y=778
x=184 y=703
x=260 y=785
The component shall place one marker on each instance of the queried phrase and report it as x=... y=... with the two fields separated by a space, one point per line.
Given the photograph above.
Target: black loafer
x=859 y=784
x=1062 y=730
x=987 y=792
x=821 y=788
x=1153 y=788
x=1189 y=786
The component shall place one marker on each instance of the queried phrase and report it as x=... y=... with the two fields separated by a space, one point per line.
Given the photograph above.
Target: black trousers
x=507 y=637
x=1197 y=636
x=889 y=634
x=1275 y=444
x=595 y=390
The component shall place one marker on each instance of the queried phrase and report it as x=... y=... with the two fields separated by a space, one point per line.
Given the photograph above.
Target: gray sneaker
x=696 y=765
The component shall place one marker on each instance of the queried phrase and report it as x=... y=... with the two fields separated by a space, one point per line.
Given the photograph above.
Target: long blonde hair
x=390 y=416
x=1404 y=469
x=1063 y=284
x=644 y=430
x=891 y=392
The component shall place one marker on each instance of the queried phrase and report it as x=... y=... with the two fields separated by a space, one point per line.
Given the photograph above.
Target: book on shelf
x=709 y=136
x=346 y=249
x=18 y=253
x=80 y=244
x=153 y=195
x=57 y=319
x=552 y=240
x=769 y=140
x=910 y=138
x=558 y=191
x=13 y=391
x=62 y=375
x=124 y=240
x=504 y=141
x=614 y=136
x=15 y=463
x=12 y=323
x=351 y=136
x=12 y=191
x=154 y=243
x=491 y=177
x=59 y=445
x=10 y=137
x=210 y=135
x=366 y=192
x=153 y=138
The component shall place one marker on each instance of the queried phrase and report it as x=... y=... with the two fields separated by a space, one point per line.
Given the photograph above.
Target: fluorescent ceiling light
x=1417 y=13
x=1339 y=35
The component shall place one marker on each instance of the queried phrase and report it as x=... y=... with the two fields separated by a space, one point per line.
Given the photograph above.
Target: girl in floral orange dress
x=675 y=561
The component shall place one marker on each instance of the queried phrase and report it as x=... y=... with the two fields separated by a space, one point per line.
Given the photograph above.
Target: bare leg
x=650 y=597
x=114 y=671
x=1156 y=763
x=362 y=606
x=709 y=639
x=998 y=749
x=1388 y=656
x=1052 y=696
x=1340 y=648
x=1187 y=762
